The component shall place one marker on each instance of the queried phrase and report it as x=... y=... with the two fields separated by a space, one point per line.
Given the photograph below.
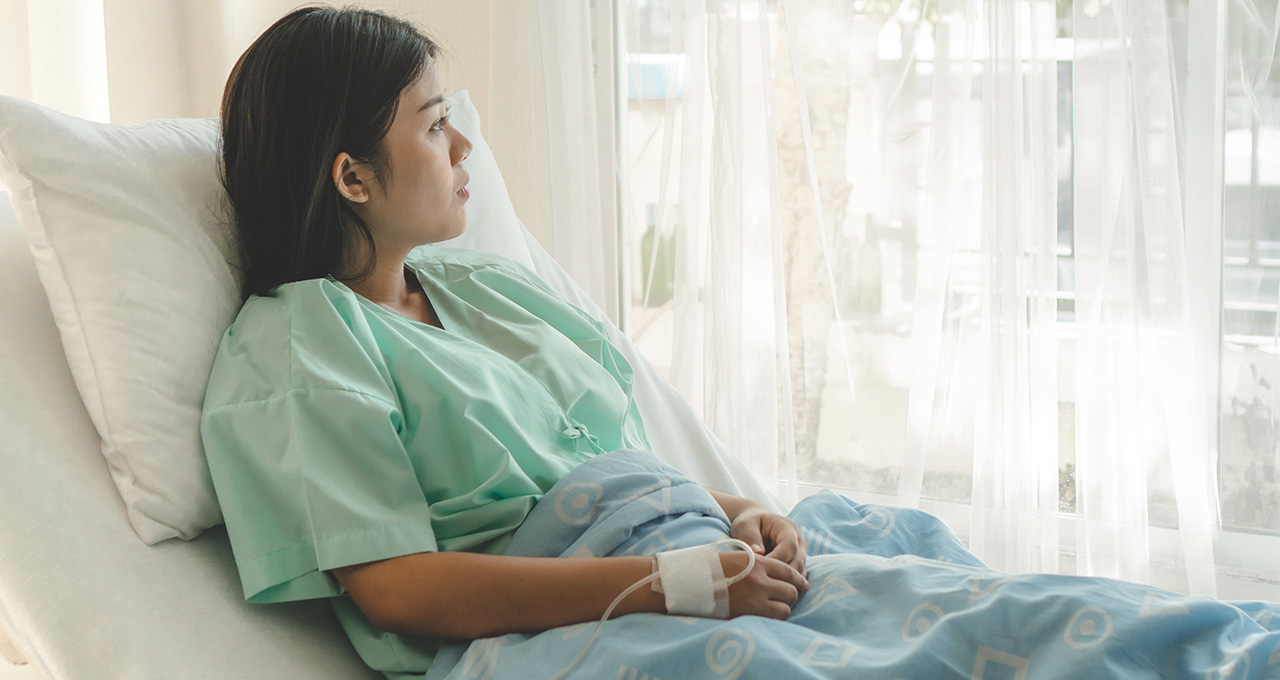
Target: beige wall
x=15 y=76
x=171 y=59
x=145 y=60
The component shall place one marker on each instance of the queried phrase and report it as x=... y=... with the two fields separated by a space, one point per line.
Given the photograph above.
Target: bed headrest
x=8 y=220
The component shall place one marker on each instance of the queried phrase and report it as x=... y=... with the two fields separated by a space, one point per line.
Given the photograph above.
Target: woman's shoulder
x=290 y=308
x=288 y=297
x=294 y=337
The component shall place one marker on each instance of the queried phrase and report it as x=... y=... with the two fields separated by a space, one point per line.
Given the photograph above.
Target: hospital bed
x=81 y=596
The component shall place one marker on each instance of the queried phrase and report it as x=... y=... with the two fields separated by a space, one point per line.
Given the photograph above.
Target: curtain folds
x=576 y=172
x=55 y=53
x=1138 y=387
x=978 y=256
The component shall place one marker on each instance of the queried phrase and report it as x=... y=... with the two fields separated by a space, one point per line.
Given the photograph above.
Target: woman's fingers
x=788 y=544
x=789 y=553
x=772 y=535
x=777 y=610
x=749 y=527
x=785 y=573
x=771 y=588
x=782 y=591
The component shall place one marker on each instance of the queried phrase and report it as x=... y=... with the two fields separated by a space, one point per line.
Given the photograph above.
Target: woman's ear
x=352 y=178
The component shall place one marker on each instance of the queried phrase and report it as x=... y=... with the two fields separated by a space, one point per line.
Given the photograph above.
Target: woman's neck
x=388 y=283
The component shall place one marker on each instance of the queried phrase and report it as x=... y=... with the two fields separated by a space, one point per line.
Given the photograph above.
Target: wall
x=167 y=59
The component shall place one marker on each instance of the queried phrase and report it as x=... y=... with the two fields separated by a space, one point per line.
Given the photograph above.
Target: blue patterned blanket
x=893 y=594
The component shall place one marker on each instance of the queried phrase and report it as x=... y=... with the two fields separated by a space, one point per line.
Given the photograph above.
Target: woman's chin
x=454 y=230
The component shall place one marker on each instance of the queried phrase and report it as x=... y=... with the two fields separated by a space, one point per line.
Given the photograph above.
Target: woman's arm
x=734 y=505
x=471 y=595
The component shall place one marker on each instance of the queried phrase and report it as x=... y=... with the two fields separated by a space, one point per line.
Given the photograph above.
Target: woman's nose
x=461 y=148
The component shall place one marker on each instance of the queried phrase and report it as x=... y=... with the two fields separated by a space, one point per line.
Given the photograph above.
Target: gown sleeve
x=310 y=480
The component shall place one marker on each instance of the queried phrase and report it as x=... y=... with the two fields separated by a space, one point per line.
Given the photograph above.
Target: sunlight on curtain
x=1140 y=435
x=55 y=54
x=552 y=124
x=1012 y=261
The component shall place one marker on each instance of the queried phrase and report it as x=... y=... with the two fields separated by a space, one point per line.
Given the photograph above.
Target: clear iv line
x=727 y=581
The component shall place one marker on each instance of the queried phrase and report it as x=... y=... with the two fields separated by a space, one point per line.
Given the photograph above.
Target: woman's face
x=420 y=195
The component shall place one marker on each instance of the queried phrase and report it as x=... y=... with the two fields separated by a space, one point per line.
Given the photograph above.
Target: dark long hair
x=319 y=81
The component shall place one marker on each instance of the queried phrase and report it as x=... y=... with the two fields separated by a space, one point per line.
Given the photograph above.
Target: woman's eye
x=441 y=122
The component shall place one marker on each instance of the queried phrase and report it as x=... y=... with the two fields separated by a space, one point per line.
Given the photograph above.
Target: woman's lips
x=466 y=179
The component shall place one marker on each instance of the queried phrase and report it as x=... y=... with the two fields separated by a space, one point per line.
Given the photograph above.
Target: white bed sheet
x=82 y=597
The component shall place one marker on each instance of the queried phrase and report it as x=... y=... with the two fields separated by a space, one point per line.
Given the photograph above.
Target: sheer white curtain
x=1141 y=429
x=552 y=127
x=981 y=257
x=54 y=53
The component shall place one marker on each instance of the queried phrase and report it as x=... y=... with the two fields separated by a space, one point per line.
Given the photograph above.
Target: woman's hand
x=773 y=536
x=768 y=534
x=770 y=590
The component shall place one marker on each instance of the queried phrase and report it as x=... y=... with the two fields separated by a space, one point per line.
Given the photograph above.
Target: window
x=877 y=233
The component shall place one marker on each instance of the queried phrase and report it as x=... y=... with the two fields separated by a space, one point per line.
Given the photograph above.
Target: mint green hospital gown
x=339 y=432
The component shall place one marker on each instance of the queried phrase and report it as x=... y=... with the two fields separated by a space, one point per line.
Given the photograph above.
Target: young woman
x=378 y=423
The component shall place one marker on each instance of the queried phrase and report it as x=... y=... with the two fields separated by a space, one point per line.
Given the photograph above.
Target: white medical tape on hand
x=718 y=584
x=689 y=577
x=693 y=581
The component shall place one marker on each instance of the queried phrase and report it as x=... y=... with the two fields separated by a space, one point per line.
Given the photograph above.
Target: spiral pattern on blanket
x=728 y=652
x=576 y=504
x=880 y=520
x=1089 y=627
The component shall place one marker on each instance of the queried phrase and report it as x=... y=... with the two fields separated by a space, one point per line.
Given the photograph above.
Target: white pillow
x=130 y=231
